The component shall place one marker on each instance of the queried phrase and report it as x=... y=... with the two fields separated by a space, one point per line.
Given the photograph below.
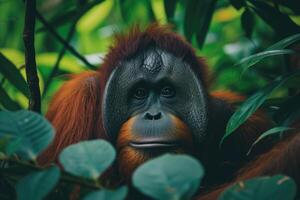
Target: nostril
x=157 y=116
x=150 y=116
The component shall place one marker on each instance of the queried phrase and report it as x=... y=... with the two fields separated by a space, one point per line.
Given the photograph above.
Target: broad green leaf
x=253 y=103
x=281 y=23
x=247 y=22
x=249 y=61
x=170 y=7
x=12 y=74
x=88 y=159
x=30 y=133
x=275 y=49
x=118 y=194
x=37 y=185
x=275 y=187
x=285 y=42
x=189 y=24
x=204 y=17
x=169 y=177
x=293 y=5
x=197 y=18
x=7 y=102
x=272 y=131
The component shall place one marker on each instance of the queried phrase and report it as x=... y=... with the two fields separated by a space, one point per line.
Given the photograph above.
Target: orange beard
x=129 y=158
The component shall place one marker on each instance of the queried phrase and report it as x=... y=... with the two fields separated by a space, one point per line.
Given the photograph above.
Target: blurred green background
x=223 y=31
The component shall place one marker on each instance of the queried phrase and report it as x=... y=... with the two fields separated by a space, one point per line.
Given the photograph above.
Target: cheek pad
x=114 y=105
x=192 y=105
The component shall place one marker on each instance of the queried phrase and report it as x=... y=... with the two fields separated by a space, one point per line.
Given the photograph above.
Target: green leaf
x=118 y=194
x=12 y=74
x=249 y=61
x=247 y=22
x=275 y=49
x=37 y=185
x=198 y=15
x=7 y=102
x=270 y=132
x=275 y=187
x=170 y=6
x=281 y=23
x=285 y=42
x=204 y=17
x=169 y=177
x=293 y=5
x=30 y=133
x=189 y=25
x=88 y=159
x=253 y=103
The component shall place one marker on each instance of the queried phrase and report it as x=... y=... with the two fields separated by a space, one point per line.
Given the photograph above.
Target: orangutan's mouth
x=153 y=144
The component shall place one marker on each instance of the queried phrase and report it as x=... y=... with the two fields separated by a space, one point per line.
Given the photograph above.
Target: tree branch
x=63 y=41
x=30 y=63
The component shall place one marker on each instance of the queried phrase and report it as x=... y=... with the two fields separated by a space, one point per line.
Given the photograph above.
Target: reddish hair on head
x=129 y=44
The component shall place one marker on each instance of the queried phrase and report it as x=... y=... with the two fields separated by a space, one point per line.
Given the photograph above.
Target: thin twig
x=30 y=63
x=59 y=58
x=63 y=41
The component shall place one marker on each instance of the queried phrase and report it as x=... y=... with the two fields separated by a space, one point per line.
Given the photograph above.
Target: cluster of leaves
x=25 y=134
x=287 y=104
x=88 y=26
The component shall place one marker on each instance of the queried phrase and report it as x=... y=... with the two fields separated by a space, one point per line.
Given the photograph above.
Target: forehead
x=152 y=64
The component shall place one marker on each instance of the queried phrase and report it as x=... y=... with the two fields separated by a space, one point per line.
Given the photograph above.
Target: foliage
x=38 y=187
x=82 y=160
x=278 y=187
x=104 y=194
x=166 y=177
x=229 y=31
x=245 y=40
x=27 y=133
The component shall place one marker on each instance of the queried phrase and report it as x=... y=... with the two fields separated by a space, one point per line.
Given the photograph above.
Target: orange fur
x=127 y=45
x=75 y=114
x=228 y=96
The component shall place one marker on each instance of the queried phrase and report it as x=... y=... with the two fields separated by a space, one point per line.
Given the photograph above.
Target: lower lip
x=152 y=145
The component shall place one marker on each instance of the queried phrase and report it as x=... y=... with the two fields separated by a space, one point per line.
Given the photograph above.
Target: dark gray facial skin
x=152 y=87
